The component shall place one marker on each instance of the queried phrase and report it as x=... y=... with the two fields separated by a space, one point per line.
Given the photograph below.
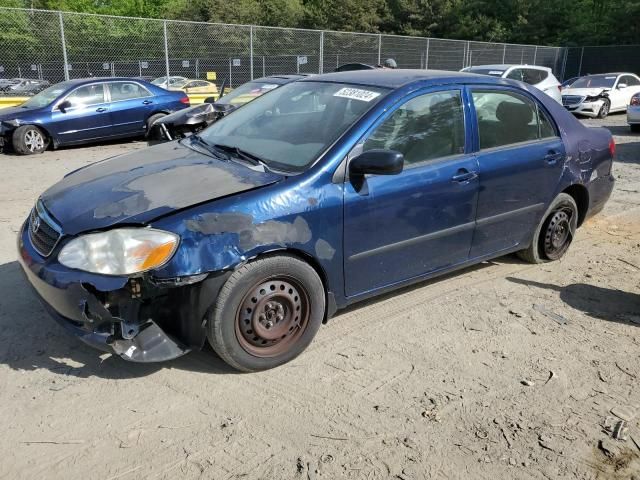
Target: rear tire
x=267 y=313
x=604 y=109
x=29 y=139
x=554 y=234
x=635 y=128
x=154 y=133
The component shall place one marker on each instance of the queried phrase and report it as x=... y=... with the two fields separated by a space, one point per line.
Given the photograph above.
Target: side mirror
x=210 y=100
x=64 y=106
x=377 y=162
x=621 y=86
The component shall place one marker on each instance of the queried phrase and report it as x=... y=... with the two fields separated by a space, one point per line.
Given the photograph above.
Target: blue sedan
x=87 y=110
x=326 y=192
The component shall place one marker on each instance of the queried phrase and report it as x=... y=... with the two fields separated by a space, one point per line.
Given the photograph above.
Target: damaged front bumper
x=139 y=319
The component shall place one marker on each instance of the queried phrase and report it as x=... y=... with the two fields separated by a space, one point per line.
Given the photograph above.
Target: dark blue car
x=87 y=110
x=325 y=192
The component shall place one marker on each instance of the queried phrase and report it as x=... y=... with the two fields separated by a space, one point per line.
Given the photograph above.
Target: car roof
x=506 y=66
x=81 y=81
x=395 y=78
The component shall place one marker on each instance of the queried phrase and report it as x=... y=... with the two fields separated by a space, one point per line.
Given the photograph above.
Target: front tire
x=29 y=139
x=554 y=234
x=154 y=133
x=267 y=313
x=604 y=109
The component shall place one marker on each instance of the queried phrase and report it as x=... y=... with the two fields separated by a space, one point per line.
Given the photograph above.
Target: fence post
x=166 y=50
x=321 y=59
x=535 y=55
x=564 y=63
x=504 y=53
x=465 y=45
x=379 y=48
x=426 y=55
x=580 y=66
x=64 y=47
x=251 y=50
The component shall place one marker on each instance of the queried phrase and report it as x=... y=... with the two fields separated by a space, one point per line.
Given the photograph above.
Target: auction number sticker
x=356 y=94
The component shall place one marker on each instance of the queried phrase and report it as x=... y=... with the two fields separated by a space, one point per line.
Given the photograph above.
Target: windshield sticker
x=610 y=78
x=495 y=72
x=269 y=86
x=356 y=94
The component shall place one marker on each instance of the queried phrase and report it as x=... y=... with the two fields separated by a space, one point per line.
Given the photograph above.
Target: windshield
x=595 y=81
x=247 y=92
x=46 y=96
x=292 y=126
x=494 y=72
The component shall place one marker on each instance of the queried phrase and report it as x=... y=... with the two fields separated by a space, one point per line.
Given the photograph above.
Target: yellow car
x=195 y=86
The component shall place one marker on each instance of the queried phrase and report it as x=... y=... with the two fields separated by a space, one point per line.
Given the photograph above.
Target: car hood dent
x=584 y=92
x=139 y=187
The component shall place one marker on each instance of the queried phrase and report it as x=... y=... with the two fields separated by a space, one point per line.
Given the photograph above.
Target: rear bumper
x=599 y=189
x=633 y=115
x=136 y=319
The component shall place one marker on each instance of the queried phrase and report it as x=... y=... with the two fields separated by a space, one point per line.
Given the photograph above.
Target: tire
x=154 y=133
x=267 y=313
x=29 y=139
x=554 y=234
x=604 y=109
x=635 y=128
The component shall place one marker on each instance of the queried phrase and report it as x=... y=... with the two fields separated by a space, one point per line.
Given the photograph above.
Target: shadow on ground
x=597 y=302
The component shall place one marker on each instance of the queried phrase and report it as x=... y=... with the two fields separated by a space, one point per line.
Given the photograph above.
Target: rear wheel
x=604 y=109
x=554 y=235
x=29 y=139
x=154 y=133
x=267 y=313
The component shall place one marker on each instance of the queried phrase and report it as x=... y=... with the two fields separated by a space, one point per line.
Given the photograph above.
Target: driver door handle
x=101 y=109
x=147 y=102
x=463 y=175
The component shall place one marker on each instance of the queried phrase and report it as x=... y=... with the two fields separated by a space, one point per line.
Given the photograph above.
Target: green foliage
x=561 y=22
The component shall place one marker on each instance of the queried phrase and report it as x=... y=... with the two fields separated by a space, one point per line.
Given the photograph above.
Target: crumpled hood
x=10 y=113
x=584 y=92
x=138 y=187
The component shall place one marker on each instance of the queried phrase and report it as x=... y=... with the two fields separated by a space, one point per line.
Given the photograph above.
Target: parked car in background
x=567 y=83
x=540 y=77
x=86 y=110
x=199 y=87
x=192 y=120
x=325 y=192
x=26 y=86
x=598 y=95
x=164 y=83
x=633 y=113
x=7 y=82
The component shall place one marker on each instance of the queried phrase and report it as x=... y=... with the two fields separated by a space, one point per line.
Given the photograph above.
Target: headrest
x=513 y=113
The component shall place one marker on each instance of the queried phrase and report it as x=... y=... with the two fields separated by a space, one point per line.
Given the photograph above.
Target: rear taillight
x=184 y=100
x=635 y=100
x=612 y=147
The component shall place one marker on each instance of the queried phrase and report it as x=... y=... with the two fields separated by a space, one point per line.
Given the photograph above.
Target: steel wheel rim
x=272 y=316
x=558 y=234
x=33 y=140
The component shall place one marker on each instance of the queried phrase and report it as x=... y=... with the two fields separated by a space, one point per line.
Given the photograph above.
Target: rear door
x=86 y=118
x=521 y=158
x=398 y=227
x=131 y=104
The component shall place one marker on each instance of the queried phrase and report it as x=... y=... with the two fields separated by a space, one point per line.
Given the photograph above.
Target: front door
x=521 y=160
x=85 y=118
x=402 y=226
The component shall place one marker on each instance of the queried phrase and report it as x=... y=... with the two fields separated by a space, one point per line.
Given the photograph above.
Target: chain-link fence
x=53 y=46
x=602 y=59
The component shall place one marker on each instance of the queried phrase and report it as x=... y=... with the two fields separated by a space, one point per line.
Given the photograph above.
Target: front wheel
x=604 y=109
x=555 y=232
x=267 y=313
x=29 y=139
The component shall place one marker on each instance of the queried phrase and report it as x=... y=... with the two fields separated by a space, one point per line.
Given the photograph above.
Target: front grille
x=43 y=233
x=571 y=99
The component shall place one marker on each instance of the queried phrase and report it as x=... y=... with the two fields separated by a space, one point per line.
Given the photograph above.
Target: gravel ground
x=467 y=376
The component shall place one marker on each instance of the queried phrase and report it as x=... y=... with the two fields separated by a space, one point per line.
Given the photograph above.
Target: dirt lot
x=469 y=376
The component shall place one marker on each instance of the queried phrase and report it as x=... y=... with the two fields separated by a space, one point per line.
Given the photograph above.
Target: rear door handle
x=463 y=175
x=101 y=109
x=147 y=102
x=552 y=157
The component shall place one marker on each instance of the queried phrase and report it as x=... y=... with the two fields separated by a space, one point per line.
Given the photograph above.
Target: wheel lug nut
x=279 y=318
x=269 y=325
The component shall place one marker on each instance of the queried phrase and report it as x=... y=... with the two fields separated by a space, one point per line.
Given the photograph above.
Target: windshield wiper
x=213 y=149
x=252 y=158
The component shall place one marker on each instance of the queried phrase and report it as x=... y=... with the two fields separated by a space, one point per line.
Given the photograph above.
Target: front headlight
x=122 y=251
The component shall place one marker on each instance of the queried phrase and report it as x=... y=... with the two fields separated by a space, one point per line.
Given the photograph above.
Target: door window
x=506 y=118
x=87 y=95
x=515 y=74
x=533 y=76
x=424 y=128
x=127 y=91
x=630 y=81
